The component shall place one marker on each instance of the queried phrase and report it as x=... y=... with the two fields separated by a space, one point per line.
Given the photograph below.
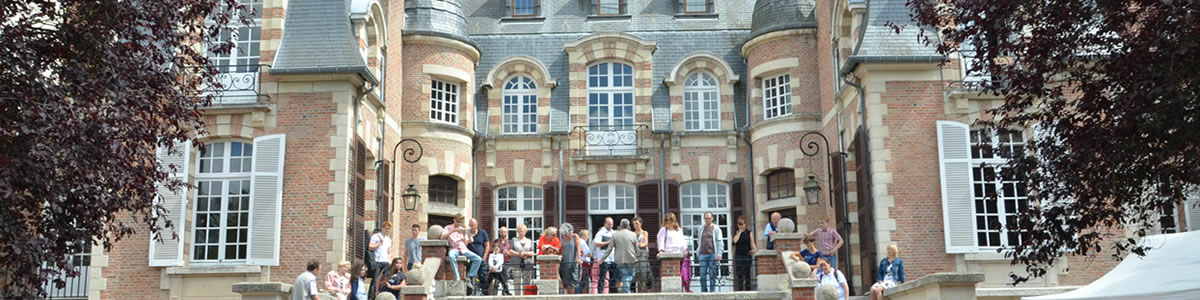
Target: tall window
x=443 y=189
x=611 y=198
x=610 y=95
x=998 y=200
x=246 y=39
x=697 y=199
x=697 y=6
x=443 y=102
x=781 y=184
x=610 y=7
x=520 y=205
x=222 y=202
x=520 y=106
x=777 y=96
x=701 y=103
x=524 y=8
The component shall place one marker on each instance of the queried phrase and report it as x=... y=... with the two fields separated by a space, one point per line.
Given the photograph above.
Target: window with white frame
x=221 y=226
x=777 y=96
x=443 y=102
x=697 y=6
x=611 y=199
x=524 y=8
x=520 y=205
x=998 y=199
x=610 y=96
x=246 y=38
x=520 y=106
x=701 y=103
x=696 y=199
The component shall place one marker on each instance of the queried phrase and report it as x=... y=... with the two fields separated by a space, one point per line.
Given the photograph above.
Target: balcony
x=238 y=85
x=77 y=287
x=615 y=142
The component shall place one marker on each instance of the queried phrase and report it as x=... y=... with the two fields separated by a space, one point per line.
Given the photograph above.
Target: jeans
x=612 y=271
x=625 y=271
x=832 y=260
x=473 y=258
x=496 y=280
x=708 y=272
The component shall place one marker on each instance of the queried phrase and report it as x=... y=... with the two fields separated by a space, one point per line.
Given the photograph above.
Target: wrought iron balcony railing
x=77 y=287
x=610 y=141
x=239 y=84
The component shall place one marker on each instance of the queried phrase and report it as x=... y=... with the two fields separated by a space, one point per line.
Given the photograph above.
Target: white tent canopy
x=1170 y=270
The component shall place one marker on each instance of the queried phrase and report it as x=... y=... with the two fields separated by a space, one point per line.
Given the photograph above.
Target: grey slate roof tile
x=317 y=38
x=436 y=17
x=775 y=15
x=880 y=40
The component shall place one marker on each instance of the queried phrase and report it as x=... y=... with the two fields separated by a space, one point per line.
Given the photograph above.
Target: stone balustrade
x=937 y=286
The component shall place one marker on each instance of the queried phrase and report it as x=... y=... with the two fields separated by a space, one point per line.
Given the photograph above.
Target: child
x=496 y=270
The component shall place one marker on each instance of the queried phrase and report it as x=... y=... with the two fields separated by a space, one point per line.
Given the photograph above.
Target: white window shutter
x=1191 y=208
x=169 y=251
x=958 y=212
x=266 y=200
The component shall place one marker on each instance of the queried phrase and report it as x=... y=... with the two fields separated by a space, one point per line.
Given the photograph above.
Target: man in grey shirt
x=624 y=253
x=412 y=245
x=305 y=287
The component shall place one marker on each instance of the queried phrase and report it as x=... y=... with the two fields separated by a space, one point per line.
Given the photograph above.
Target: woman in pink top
x=671 y=237
x=338 y=281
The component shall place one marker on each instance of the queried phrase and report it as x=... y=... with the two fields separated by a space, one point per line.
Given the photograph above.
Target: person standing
x=586 y=276
x=710 y=253
x=828 y=241
x=891 y=272
x=381 y=246
x=549 y=244
x=771 y=229
x=671 y=237
x=568 y=271
x=520 y=258
x=481 y=244
x=305 y=287
x=496 y=278
x=743 y=247
x=641 y=275
x=458 y=236
x=338 y=282
x=601 y=241
x=358 y=286
x=827 y=275
x=413 y=245
x=624 y=254
x=502 y=246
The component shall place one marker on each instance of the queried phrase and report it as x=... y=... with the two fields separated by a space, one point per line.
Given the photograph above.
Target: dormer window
x=610 y=7
x=697 y=6
x=524 y=8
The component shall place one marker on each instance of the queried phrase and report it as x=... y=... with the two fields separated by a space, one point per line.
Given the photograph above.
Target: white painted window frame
x=225 y=177
x=701 y=103
x=519 y=96
x=444 y=101
x=777 y=96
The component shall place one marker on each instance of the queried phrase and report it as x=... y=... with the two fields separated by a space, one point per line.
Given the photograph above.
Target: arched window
x=701 y=103
x=443 y=189
x=520 y=106
x=221 y=227
x=781 y=184
x=520 y=205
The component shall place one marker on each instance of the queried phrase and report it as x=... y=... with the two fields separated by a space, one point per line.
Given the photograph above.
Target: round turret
x=442 y=18
x=776 y=15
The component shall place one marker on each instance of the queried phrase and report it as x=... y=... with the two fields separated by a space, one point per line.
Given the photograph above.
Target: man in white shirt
x=381 y=244
x=601 y=241
x=305 y=287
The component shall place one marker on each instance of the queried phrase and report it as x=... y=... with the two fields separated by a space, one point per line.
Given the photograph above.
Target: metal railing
x=76 y=287
x=610 y=140
x=238 y=84
x=516 y=277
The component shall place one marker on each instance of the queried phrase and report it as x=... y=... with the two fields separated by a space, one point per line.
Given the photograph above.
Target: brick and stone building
x=543 y=112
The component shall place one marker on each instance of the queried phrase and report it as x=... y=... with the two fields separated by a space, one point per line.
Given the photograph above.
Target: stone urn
x=826 y=292
x=435 y=232
x=787 y=225
x=415 y=275
x=797 y=268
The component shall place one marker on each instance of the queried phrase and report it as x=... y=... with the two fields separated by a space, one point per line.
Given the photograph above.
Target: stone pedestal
x=772 y=275
x=803 y=289
x=436 y=248
x=669 y=272
x=789 y=242
x=549 y=282
x=263 y=290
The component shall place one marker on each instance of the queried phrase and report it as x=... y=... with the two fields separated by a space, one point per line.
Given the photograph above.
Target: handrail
x=610 y=140
x=238 y=84
x=519 y=274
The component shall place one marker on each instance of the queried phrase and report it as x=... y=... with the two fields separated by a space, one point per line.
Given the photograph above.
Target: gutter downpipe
x=745 y=133
x=561 y=194
x=662 y=175
x=381 y=114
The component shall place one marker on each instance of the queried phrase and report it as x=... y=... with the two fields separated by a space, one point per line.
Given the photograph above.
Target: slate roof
x=486 y=17
x=436 y=17
x=776 y=15
x=880 y=43
x=548 y=49
x=318 y=39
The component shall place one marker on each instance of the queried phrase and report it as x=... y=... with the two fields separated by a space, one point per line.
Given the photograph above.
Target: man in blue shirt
x=480 y=244
x=770 y=230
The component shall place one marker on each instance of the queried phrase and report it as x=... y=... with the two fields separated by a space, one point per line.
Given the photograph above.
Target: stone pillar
x=549 y=281
x=772 y=276
x=789 y=242
x=437 y=249
x=803 y=289
x=263 y=290
x=669 y=272
x=414 y=292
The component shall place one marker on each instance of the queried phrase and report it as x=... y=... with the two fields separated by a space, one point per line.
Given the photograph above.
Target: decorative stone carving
x=435 y=232
x=415 y=275
x=797 y=268
x=826 y=292
x=787 y=225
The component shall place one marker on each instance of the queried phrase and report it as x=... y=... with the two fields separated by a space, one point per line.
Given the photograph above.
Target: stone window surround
x=619 y=47
x=520 y=65
x=702 y=62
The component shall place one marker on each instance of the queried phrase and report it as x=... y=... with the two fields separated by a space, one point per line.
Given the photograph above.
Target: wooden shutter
x=384 y=193
x=355 y=244
x=169 y=252
x=550 y=204
x=737 y=202
x=673 y=198
x=958 y=213
x=575 y=204
x=266 y=200
x=647 y=208
x=487 y=210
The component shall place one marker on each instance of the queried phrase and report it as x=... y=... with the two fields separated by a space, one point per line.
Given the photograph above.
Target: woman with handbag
x=673 y=241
